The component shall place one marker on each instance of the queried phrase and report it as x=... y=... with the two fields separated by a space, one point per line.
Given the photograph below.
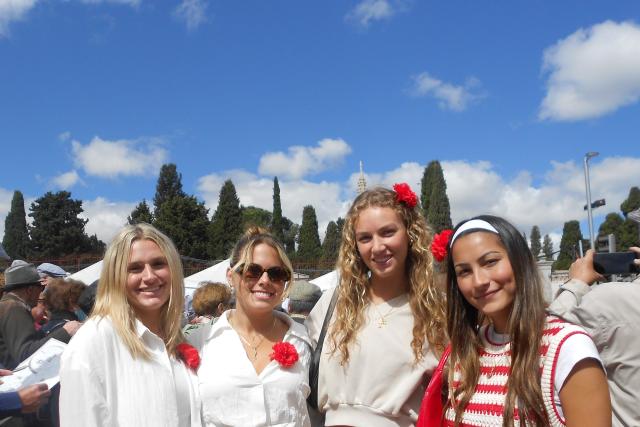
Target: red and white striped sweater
x=486 y=406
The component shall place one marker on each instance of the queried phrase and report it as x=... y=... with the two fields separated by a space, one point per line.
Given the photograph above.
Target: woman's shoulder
x=92 y=338
x=316 y=317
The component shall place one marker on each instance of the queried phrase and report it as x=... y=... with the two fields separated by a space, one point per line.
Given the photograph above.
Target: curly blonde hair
x=426 y=300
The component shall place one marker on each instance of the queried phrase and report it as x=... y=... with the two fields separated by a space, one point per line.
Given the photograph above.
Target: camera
x=615 y=263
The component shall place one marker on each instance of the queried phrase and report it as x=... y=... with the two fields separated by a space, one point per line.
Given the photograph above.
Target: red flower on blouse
x=284 y=353
x=189 y=355
x=440 y=245
x=405 y=194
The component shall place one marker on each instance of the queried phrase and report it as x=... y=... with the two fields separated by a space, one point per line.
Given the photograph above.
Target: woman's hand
x=582 y=269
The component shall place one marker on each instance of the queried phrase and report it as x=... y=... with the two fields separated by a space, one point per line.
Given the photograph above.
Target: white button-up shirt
x=233 y=394
x=101 y=384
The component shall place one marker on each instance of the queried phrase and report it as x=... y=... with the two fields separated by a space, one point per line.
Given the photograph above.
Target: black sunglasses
x=255 y=271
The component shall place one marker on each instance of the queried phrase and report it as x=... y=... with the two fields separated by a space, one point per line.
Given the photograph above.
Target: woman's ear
x=230 y=276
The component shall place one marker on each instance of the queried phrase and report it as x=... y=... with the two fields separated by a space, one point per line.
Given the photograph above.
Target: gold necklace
x=255 y=347
x=382 y=321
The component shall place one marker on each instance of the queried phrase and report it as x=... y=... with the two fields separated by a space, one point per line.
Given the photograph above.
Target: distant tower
x=362 y=183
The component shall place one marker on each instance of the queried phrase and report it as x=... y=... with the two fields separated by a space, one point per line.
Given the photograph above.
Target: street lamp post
x=587 y=185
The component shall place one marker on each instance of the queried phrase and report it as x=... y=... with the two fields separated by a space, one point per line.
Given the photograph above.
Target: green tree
x=612 y=225
x=309 y=248
x=340 y=224
x=277 y=224
x=57 y=230
x=169 y=185
x=435 y=202
x=632 y=202
x=290 y=234
x=331 y=243
x=226 y=225
x=185 y=220
x=571 y=235
x=141 y=213
x=629 y=235
x=252 y=215
x=547 y=248
x=535 y=241
x=16 y=235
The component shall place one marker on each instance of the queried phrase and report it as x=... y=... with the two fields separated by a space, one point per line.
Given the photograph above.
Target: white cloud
x=110 y=159
x=301 y=161
x=368 y=11
x=133 y=3
x=64 y=136
x=66 y=180
x=192 y=13
x=409 y=172
x=449 y=96
x=105 y=217
x=13 y=10
x=592 y=72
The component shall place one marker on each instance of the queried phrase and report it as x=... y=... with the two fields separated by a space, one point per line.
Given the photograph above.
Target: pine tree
x=612 y=224
x=169 y=185
x=571 y=235
x=185 y=221
x=16 y=236
x=535 y=241
x=141 y=213
x=435 y=202
x=226 y=225
x=277 y=225
x=331 y=243
x=632 y=202
x=57 y=230
x=253 y=216
x=547 y=248
x=309 y=249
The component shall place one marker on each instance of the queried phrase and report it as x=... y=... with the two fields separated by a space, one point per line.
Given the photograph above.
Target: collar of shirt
x=16 y=298
x=295 y=329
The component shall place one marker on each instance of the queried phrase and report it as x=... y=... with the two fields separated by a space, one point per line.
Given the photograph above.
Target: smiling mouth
x=382 y=261
x=488 y=294
x=152 y=290
x=263 y=294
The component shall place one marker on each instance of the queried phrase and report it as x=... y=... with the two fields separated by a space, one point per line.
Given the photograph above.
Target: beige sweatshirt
x=381 y=386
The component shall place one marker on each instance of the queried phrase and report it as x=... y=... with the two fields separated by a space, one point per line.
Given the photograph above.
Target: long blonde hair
x=426 y=300
x=111 y=298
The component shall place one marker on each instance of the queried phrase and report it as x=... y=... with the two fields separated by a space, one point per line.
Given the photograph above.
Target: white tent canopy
x=88 y=275
x=328 y=281
x=215 y=273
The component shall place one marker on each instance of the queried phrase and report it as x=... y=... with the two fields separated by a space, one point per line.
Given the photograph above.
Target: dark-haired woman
x=511 y=364
x=255 y=360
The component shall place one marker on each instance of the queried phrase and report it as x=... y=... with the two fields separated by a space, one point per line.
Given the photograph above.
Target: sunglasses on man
x=255 y=271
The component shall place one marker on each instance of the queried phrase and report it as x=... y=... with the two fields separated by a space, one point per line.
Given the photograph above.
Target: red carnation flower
x=405 y=194
x=189 y=355
x=440 y=245
x=285 y=354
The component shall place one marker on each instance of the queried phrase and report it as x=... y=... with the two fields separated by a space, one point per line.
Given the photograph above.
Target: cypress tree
x=309 y=248
x=290 y=234
x=169 y=185
x=535 y=241
x=331 y=243
x=547 y=248
x=185 y=221
x=226 y=225
x=612 y=225
x=57 y=230
x=277 y=224
x=16 y=236
x=629 y=235
x=435 y=202
x=571 y=235
x=141 y=213
x=632 y=202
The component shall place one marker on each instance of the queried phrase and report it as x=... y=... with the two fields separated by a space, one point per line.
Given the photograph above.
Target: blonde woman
x=123 y=368
x=387 y=329
x=255 y=360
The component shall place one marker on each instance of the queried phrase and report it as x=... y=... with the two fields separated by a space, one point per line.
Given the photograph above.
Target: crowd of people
x=445 y=330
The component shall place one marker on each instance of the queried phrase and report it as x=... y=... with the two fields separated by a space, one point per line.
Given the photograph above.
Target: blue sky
x=95 y=95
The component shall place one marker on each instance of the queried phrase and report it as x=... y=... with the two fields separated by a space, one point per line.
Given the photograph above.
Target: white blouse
x=101 y=384
x=233 y=394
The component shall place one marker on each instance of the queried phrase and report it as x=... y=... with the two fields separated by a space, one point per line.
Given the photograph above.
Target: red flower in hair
x=189 y=355
x=405 y=194
x=285 y=354
x=440 y=245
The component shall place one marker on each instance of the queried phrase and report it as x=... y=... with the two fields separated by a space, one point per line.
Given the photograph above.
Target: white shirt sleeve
x=576 y=347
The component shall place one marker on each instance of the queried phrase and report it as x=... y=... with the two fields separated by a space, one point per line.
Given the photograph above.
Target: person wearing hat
x=18 y=336
x=48 y=271
x=303 y=296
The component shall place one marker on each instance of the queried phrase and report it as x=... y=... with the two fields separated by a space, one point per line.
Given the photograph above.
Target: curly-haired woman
x=387 y=329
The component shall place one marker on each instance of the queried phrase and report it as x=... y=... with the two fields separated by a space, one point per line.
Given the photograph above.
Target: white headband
x=474 y=224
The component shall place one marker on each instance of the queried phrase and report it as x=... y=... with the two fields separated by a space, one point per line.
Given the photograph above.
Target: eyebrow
x=481 y=257
x=153 y=260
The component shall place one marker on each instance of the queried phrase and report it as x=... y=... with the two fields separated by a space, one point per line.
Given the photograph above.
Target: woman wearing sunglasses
x=255 y=360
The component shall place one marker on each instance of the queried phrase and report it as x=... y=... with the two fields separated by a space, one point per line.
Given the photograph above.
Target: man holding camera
x=610 y=312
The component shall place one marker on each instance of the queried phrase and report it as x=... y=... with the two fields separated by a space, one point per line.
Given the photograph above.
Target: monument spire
x=362 y=183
